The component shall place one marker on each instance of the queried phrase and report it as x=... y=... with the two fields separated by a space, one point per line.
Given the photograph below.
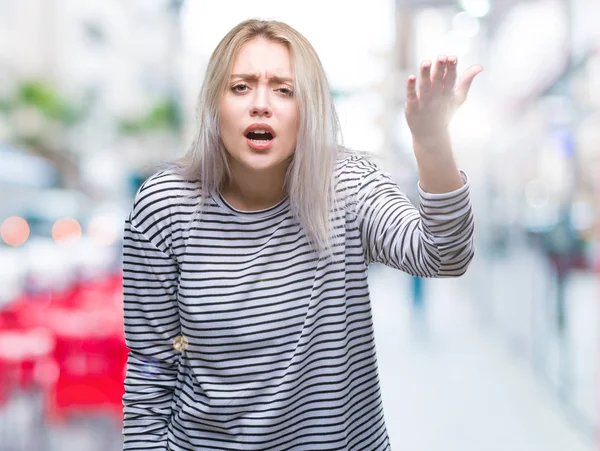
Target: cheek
x=224 y=118
x=228 y=114
x=292 y=123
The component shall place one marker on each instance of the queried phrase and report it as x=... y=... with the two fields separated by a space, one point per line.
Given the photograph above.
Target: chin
x=263 y=161
x=264 y=165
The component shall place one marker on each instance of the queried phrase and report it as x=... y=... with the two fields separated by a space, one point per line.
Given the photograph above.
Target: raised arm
x=435 y=240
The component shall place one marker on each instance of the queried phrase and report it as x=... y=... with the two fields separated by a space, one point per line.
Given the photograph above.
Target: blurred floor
x=454 y=383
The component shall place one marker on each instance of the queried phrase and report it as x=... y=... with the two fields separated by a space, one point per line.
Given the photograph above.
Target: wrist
x=433 y=144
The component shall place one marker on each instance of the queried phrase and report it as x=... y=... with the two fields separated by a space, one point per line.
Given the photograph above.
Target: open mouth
x=259 y=136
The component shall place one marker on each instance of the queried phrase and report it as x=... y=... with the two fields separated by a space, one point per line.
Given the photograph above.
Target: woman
x=247 y=309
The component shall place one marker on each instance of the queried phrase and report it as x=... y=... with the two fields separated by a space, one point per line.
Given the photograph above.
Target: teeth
x=259 y=132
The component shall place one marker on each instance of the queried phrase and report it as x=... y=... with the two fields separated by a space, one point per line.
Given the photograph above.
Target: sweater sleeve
x=433 y=240
x=151 y=316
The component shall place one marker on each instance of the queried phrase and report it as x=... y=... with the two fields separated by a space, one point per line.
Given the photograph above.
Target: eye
x=286 y=91
x=240 y=87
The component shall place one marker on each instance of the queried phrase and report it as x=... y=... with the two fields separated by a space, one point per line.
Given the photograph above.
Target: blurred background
x=95 y=95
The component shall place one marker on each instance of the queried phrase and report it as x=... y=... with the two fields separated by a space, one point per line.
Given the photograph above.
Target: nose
x=260 y=105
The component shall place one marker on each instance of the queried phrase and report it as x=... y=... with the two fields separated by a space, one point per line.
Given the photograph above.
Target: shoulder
x=355 y=163
x=161 y=193
x=353 y=168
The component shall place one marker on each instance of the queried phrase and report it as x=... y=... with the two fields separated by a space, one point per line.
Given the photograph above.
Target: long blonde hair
x=309 y=180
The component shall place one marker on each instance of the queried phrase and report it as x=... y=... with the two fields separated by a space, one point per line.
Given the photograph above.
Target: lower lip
x=260 y=145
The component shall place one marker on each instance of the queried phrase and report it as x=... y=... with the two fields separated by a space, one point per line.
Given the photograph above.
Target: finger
x=450 y=77
x=464 y=84
x=437 y=75
x=425 y=81
x=411 y=89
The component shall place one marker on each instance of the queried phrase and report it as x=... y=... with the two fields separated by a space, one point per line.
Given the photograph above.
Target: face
x=259 y=115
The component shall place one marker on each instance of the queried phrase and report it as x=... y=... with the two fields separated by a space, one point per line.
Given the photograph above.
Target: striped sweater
x=241 y=337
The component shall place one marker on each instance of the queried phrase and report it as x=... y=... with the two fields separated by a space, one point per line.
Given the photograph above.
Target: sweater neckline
x=254 y=214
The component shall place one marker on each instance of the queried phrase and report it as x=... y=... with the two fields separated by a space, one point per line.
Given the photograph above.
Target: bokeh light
x=476 y=8
x=14 y=231
x=66 y=230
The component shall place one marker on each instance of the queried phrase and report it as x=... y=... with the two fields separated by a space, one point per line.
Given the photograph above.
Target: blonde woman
x=247 y=308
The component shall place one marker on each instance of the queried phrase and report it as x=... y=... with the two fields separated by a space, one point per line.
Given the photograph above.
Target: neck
x=249 y=190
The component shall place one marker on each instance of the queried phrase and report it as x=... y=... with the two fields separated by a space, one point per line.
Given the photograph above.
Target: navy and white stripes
x=278 y=341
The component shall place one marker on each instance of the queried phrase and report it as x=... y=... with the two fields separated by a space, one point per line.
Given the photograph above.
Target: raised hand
x=428 y=111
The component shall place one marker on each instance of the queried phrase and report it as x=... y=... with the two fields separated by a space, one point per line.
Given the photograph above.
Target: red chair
x=70 y=344
x=22 y=351
x=90 y=353
x=25 y=343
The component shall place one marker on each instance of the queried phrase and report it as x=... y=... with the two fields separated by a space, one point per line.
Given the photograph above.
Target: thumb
x=464 y=84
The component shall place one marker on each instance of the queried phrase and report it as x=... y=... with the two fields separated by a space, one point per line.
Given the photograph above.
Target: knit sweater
x=242 y=337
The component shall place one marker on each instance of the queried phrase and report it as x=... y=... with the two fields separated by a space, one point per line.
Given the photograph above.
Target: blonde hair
x=309 y=180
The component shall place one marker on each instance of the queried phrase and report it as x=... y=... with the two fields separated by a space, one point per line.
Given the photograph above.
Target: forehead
x=263 y=56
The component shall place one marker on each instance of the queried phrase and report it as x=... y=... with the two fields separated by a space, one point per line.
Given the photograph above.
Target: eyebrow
x=254 y=77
